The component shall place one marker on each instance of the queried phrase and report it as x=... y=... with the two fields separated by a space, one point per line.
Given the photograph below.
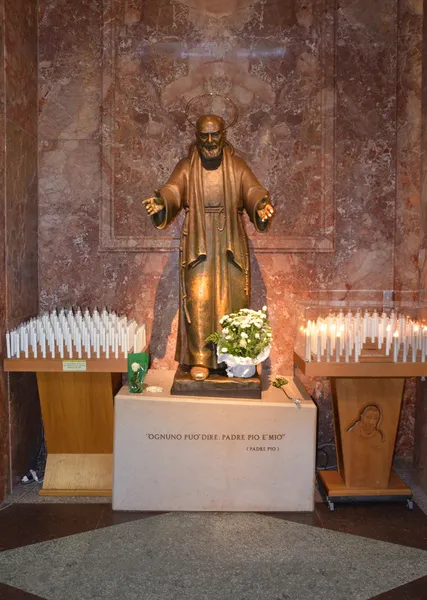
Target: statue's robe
x=214 y=254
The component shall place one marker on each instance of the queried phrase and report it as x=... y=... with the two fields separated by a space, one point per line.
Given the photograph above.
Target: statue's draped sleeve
x=173 y=194
x=253 y=195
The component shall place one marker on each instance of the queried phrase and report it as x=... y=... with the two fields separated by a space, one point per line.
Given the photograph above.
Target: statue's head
x=211 y=136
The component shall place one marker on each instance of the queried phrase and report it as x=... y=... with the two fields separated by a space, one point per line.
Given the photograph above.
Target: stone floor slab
x=211 y=556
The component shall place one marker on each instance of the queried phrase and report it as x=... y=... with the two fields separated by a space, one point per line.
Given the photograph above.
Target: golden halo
x=211 y=94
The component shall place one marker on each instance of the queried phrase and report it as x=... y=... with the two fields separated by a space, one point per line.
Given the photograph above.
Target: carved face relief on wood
x=367 y=426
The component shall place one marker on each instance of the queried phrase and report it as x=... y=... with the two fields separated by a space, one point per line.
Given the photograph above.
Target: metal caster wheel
x=331 y=506
x=410 y=504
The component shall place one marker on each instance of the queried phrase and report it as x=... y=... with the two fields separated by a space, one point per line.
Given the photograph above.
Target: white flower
x=228 y=337
x=269 y=335
x=242 y=343
x=223 y=349
x=264 y=308
x=135 y=367
x=225 y=330
x=243 y=335
x=257 y=336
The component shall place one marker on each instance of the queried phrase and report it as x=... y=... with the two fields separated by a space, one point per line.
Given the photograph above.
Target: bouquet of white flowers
x=244 y=341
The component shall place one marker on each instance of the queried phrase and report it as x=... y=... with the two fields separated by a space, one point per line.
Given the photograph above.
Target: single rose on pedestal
x=244 y=342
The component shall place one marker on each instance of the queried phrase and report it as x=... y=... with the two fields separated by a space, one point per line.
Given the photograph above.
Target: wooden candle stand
x=76 y=399
x=367 y=400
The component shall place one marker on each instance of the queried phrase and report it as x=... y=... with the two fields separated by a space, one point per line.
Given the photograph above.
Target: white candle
x=8 y=345
x=416 y=338
x=405 y=347
x=116 y=345
x=357 y=347
x=365 y=327
x=374 y=325
x=388 y=340
x=395 y=346
x=26 y=344
x=328 y=349
x=323 y=337
x=338 y=346
x=333 y=337
x=125 y=345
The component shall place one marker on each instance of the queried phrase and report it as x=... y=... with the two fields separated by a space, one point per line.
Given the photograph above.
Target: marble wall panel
x=69 y=187
x=365 y=149
x=4 y=406
x=408 y=167
x=21 y=220
x=69 y=68
x=159 y=55
x=19 y=123
x=21 y=63
x=423 y=197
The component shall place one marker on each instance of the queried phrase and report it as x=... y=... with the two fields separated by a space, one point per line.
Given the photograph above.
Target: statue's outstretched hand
x=266 y=212
x=154 y=204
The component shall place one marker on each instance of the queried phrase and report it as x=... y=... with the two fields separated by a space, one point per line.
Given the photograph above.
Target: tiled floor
x=352 y=530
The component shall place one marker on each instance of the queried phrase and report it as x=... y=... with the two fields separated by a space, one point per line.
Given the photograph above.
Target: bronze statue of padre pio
x=213 y=186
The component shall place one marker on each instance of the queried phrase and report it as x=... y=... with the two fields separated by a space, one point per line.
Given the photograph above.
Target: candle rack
x=78 y=357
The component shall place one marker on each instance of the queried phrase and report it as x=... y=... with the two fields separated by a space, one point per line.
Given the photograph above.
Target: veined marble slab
x=220 y=454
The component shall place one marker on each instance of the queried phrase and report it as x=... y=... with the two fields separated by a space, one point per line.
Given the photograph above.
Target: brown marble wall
x=420 y=441
x=4 y=407
x=20 y=426
x=408 y=232
x=329 y=102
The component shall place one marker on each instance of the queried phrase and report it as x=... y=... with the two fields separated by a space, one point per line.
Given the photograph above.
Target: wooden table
x=77 y=412
x=367 y=400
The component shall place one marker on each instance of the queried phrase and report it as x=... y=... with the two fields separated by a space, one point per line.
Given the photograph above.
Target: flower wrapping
x=137 y=370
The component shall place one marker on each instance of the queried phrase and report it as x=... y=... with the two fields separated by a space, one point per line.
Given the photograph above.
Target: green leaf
x=280 y=381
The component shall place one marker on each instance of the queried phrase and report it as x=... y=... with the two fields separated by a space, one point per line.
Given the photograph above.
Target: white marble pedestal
x=218 y=454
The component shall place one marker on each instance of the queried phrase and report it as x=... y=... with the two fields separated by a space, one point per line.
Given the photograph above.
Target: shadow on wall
x=165 y=308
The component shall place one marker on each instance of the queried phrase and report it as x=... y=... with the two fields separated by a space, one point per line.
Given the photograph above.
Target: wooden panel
x=78 y=475
x=365 y=369
x=77 y=410
x=368 y=412
x=335 y=486
x=54 y=365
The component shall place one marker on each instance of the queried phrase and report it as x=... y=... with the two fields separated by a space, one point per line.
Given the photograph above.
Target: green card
x=137 y=370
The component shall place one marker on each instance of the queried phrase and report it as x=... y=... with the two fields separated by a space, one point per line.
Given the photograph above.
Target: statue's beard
x=210 y=151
